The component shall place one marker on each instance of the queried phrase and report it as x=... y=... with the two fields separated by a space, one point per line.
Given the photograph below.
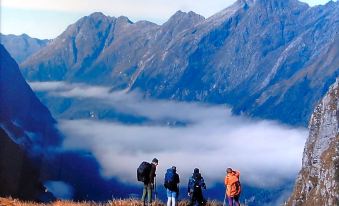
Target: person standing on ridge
x=195 y=185
x=171 y=184
x=233 y=187
x=149 y=183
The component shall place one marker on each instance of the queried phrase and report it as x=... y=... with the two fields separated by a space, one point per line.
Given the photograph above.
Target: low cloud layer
x=266 y=153
x=60 y=189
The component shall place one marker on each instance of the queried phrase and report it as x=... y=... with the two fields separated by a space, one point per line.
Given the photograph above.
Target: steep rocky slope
x=22 y=115
x=318 y=180
x=27 y=132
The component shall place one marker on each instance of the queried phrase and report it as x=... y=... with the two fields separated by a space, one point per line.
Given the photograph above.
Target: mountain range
x=264 y=58
x=23 y=46
x=268 y=59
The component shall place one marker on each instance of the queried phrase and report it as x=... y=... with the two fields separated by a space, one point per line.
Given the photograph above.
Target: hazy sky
x=49 y=18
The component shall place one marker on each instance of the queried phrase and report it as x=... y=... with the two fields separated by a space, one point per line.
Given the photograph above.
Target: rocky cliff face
x=318 y=180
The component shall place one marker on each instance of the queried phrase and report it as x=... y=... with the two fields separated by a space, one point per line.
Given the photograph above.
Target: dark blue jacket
x=173 y=186
x=196 y=182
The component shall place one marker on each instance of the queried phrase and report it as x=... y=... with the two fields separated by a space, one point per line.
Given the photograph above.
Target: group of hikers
x=146 y=174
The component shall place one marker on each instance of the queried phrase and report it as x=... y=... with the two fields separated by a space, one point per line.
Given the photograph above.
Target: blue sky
x=46 y=19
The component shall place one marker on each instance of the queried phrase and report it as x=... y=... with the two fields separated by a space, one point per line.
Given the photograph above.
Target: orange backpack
x=233 y=184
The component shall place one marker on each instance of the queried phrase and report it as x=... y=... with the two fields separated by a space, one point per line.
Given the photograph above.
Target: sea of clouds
x=266 y=153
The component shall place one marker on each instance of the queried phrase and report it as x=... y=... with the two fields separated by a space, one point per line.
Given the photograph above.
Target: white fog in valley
x=267 y=153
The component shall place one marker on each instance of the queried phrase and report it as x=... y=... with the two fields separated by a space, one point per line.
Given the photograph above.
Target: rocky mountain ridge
x=22 y=46
x=260 y=57
x=318 y=180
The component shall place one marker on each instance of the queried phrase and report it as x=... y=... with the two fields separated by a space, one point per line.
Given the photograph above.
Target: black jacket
x=152 y=174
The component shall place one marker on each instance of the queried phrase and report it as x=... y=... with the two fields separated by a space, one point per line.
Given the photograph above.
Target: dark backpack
x=196 y=182
x=144 y=171
x=237 y=186
x=170 y=180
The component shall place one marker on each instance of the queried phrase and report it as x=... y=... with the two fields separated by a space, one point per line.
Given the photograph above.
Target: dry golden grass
x=116 y=202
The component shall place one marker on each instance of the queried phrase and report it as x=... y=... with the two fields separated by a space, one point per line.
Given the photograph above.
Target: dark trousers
x=233 y=201
x=148 y=189
x=197 y=198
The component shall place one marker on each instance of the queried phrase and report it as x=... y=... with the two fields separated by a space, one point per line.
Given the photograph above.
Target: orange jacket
x=232 y=189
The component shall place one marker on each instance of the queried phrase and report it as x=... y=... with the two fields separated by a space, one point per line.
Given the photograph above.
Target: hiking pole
x=224 y=204
x=155 y=189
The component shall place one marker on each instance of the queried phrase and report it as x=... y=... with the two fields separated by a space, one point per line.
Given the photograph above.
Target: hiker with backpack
x=171 y=184
x=233 y=187
x=195 y=185
x=146 y=174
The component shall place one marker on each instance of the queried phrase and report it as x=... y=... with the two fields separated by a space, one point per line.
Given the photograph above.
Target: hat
x=155 y=160
x=229 y=170
x=196 y=170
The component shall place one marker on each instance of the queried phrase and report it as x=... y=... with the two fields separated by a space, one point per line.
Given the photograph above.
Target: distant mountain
x=21 y=47
x=318 y=180
x=265 y=58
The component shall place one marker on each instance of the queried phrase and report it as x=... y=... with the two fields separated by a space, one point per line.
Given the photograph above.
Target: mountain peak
x=124 y=19
x=24 y=35
x=96 y=15
x=181 y=21
x=179 y=13
x=181 y=16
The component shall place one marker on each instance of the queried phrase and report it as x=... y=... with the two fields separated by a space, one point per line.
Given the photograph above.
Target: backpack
x=170 y=180
x=237 y=187
x=143 y=172
x=233 y=185
x=196 y=182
